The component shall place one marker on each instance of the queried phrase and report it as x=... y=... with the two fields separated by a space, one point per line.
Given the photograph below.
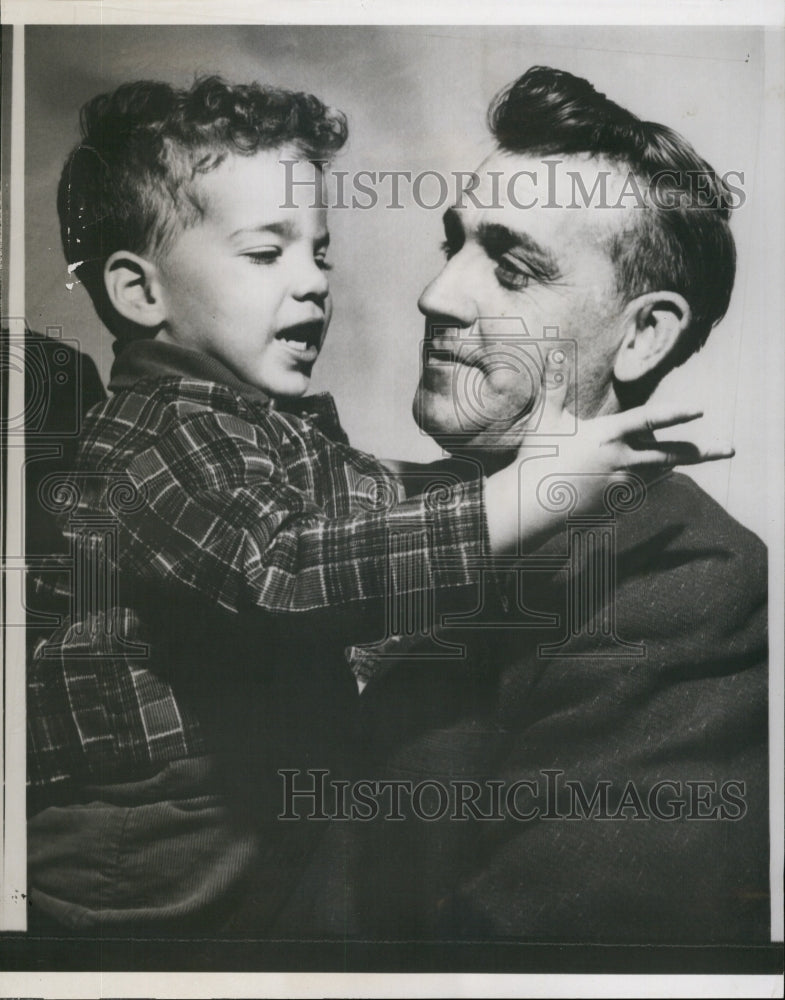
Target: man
x=609 y=723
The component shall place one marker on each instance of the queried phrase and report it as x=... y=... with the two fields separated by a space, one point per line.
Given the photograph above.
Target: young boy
x=241 y=544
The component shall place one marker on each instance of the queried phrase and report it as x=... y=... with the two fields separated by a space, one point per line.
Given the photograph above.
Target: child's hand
x=590 y=454
x=617 y=442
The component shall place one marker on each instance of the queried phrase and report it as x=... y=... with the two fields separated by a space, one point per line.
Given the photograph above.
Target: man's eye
x=323 y=264
x=510 y=274
x=267 y=256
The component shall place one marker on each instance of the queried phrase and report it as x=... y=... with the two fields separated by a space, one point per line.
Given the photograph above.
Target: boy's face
x=247 y=284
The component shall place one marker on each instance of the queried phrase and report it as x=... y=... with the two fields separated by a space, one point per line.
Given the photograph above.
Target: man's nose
x=447 y=297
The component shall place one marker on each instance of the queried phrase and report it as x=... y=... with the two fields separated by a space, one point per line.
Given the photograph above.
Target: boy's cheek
x=328 y=315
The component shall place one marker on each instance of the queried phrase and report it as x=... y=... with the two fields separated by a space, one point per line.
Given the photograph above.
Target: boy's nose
x=310 y=282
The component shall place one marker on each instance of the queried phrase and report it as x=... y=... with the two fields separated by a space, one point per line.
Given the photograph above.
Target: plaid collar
x=142 y=359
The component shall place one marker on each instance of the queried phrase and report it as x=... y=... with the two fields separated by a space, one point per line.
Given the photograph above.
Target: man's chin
x=435 y=414
x=438 y=417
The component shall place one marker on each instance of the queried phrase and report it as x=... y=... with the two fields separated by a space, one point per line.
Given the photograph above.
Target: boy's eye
x=267 y=256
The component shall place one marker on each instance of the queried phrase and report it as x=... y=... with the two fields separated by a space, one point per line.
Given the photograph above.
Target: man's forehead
x=550 y=194
x=559 y=170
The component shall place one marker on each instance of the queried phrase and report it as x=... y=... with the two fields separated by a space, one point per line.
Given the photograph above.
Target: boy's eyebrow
x=287 y=230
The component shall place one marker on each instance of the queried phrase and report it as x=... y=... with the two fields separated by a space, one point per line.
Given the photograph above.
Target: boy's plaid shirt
x=201 y=486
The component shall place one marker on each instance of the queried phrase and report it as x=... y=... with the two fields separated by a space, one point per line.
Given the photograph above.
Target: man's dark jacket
x=686 y=722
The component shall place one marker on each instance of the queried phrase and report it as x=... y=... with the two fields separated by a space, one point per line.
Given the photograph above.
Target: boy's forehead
x=267 y=187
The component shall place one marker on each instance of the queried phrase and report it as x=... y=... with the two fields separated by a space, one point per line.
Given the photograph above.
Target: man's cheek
x=512 y=389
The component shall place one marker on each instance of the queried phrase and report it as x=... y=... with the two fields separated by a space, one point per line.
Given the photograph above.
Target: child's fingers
x=671 y=453
x=717 y=454
x=651 y=417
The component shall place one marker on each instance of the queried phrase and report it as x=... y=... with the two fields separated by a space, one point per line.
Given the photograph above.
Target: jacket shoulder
x=690 y=555
x=706 y=519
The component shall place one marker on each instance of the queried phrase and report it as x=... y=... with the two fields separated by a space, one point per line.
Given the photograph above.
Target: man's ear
x=134 y=289
x=653 y=326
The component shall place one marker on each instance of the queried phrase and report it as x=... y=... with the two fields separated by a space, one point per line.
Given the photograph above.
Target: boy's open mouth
x=303 y=338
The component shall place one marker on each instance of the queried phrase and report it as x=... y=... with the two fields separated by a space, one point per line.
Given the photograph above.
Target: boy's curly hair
x=129 y=184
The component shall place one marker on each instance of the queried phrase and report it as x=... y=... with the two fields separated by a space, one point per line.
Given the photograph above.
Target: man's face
x=548 y=267
x=247 y=284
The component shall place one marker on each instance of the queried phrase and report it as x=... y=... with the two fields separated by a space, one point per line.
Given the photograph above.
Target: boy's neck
x=144 y=359
x=155 y=359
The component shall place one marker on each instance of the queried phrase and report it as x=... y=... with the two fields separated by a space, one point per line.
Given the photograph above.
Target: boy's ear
x=653 y=326
x=134 y=289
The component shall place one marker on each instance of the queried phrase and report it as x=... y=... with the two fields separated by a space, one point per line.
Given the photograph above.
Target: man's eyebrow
x=453 y=227
x=497 y=240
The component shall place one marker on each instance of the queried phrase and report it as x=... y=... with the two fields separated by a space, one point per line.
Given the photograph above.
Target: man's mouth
x=444 y=345
x=438 y=353
x=303 y=339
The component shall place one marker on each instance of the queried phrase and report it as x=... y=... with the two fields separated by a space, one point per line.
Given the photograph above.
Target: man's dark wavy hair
x=129 y=184
x=687 y=248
